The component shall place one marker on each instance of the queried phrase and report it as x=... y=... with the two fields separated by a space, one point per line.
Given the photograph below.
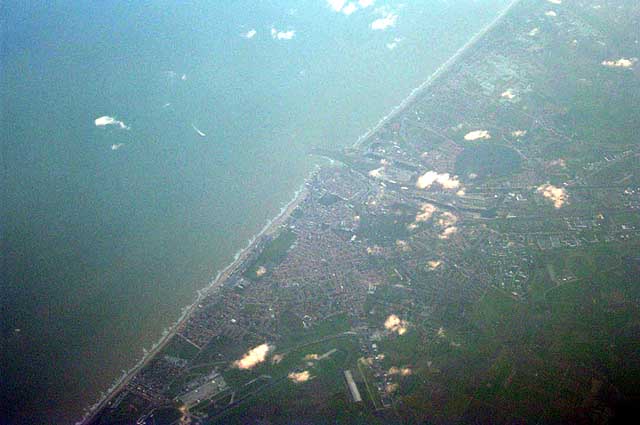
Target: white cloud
x=405 y=371
x=395 y=324
x=447 y=222
x=282 y=35
x=261 y=271
x=392 y=45
x=253 y=357
x=349 y=9
x=377 y=173
x=106 y=120
x=299 y=377
x=519 y=133
x=445 y=180
x=620 y=63
x=391 y=387
x=434 y=264
x=374 y=250
x=446 y=233
x=286 y=35
x=555 y=1
x=336 y=5
x=387 y=21
x=250 y=34
x=557 y=195
x=551 y=13
x=508 y=94
x=477 y=135
x=447 y=219
x=426 y=211
x=403 y=245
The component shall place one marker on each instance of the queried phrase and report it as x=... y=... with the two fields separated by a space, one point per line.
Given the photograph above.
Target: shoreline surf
x=439 y=72
x=218 y=281
x=277 y=221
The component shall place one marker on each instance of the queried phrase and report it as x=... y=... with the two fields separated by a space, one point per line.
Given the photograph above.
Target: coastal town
x=482 y=244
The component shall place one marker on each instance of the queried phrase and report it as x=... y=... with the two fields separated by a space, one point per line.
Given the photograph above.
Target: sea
x=144 y=143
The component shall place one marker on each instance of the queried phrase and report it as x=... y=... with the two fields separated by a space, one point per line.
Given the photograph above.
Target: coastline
x=273 y=224
x=442 y=69
x=186 y=313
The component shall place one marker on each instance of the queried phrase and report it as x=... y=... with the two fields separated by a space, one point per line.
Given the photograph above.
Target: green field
x=488 y=160
x=273 y=252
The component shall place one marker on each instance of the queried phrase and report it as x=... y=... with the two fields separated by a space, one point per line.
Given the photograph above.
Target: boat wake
x=200 y=133
x=238 y=257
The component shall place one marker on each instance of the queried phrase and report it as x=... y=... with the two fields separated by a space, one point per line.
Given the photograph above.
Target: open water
x=109 y=230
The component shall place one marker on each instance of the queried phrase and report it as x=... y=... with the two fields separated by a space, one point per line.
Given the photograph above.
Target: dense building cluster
x=470 y=191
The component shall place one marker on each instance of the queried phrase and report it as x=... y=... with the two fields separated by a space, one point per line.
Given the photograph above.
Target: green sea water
x=108 y=232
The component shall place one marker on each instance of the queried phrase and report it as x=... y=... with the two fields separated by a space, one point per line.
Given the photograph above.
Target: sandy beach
x=273 y=225
x=442 y=70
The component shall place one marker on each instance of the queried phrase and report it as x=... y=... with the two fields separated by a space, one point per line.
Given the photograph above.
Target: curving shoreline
x=276 y=222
